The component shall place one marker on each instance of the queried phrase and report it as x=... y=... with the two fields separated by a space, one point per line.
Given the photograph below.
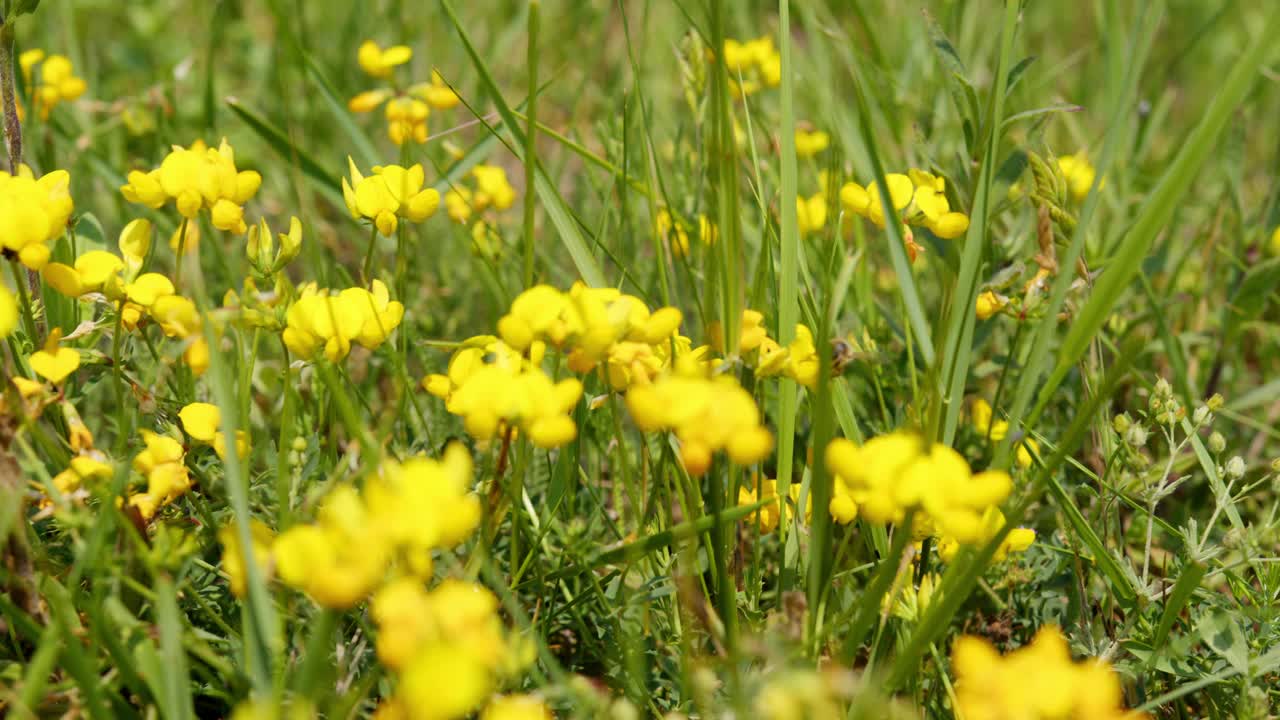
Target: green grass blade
x=282 y=145
x=1164 y=200
x=365 y=151
x=553 y=203
x=176 y=702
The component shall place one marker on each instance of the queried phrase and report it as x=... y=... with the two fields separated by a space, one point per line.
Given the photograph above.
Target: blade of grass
x=1139 y=48
x=553 y=204
x=789 y=253
x=1161 y=204
x=176 y=703
x=959 y=335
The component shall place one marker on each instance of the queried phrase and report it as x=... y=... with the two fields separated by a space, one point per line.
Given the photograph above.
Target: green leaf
x=1250 y=297
x=175 y=701
x=1221 y=632
x=366 y=153
x=1188 y=580
x=282 y=145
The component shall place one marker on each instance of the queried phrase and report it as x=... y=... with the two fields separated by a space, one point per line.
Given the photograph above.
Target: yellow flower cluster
x=918 y=198
x=598 y=327
x=198 y=178
x=897 y=472
x=798 y=360
x=406 y=110
x=769 y=516
x=494 y=387
x=811 y=142
x=673 y=230
x=448 y=644
x=752 y=65
x=489 y=189
x=707 y=414
x=163 y=465
x=1035 y=682
x=997 y=429
x=33 y=213
x=149 y=295
x=50 y=79
x=390 y=194
x=1017 y=541
x=407 y=510
x=325 y=322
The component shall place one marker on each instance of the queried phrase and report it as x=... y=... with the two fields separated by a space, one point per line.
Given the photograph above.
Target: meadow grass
x=511 y=359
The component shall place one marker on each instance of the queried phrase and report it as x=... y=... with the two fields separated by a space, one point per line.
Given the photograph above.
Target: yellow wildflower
x=1078 y=173
x=811 y=213
x=161 y=463
x=997 y=429
x=810 y=143
x=1036 y=682
x=33 y=213
x=1017 y=541
x=390 y=194
x=706 y=415
x=517 y=707
x=379 y=62
x=56 y=81
x=988 y=304
x=490 y=189
x=894 y=473
x=198 y=178
x=233 y=557
x=54 y=363
x=323 y=321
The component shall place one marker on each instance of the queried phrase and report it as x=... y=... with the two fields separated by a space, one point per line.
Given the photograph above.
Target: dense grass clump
x=663 y=358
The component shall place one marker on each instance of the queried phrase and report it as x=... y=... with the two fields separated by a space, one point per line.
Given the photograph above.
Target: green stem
x=368 y=256
x=8 y=95
x=182 y=247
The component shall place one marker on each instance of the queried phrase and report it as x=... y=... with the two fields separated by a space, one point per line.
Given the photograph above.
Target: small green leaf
x=1221 y=632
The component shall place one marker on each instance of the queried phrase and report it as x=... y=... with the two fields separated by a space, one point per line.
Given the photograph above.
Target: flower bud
x=1235 y=468
x=1217 y=443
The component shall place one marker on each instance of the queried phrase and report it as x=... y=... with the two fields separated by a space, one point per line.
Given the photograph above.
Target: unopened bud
x=1235 y=468
x=1215 y=403
x=1217 y=443
x=1136 y=436
x=1121 y=423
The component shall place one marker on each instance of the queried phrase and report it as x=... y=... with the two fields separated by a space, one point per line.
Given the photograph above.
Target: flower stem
x=8 y=95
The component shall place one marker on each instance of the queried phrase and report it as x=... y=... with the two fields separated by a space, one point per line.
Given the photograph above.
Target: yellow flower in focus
x=323 y=322
x=769 y=515
x=1036 y=682
x=894 y=473
x=54 y=363
x=33 y=213
x=378 y=62
x=93 y=271
x=390 y=194
x=162 y=464
x=198 y=178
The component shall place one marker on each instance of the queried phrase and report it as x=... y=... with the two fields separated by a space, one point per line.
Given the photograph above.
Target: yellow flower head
x=54 y=363
x=1038 y=681
x=390 y=194
x=33 y=213
x=894 y=473
x=1079 y=174
x=489 y=189
x=321 y=321
x=195 y=179
x=811 y=142
x=51 y=80
x=233 y=557
x=707 y=414
x=379 y=62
